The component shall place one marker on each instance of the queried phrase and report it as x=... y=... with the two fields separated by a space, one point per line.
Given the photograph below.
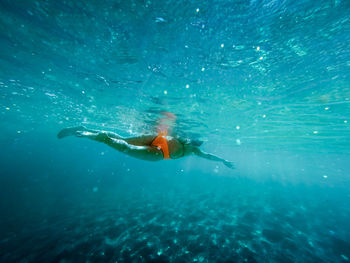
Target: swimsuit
x=161 y=143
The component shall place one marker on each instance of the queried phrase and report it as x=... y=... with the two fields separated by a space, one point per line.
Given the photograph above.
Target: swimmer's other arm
x=211 y=157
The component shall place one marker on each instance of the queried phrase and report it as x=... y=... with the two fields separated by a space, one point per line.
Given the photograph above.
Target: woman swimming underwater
x=147 y=147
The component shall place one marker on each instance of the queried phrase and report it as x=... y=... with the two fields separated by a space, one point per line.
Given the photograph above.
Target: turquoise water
x=265 y=84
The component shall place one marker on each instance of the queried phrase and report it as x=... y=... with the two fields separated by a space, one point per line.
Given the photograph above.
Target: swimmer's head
x=196 y=143
x=192 y=142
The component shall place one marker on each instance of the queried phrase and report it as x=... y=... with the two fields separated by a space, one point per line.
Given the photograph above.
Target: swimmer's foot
x=71 y=131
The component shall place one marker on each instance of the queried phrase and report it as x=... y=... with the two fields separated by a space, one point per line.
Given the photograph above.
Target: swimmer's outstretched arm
x=211 y=157
x=115 y=141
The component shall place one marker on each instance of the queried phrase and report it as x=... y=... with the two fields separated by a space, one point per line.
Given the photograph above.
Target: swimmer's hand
x=229 y=164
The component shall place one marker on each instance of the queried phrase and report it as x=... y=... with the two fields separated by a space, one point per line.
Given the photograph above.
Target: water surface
x=265 y=84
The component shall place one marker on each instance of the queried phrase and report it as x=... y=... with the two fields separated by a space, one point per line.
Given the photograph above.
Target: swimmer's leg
x=115 y=141
x=80 y=130
x=145 y=140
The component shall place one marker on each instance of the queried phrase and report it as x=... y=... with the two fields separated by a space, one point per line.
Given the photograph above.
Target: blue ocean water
x=265 y=84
